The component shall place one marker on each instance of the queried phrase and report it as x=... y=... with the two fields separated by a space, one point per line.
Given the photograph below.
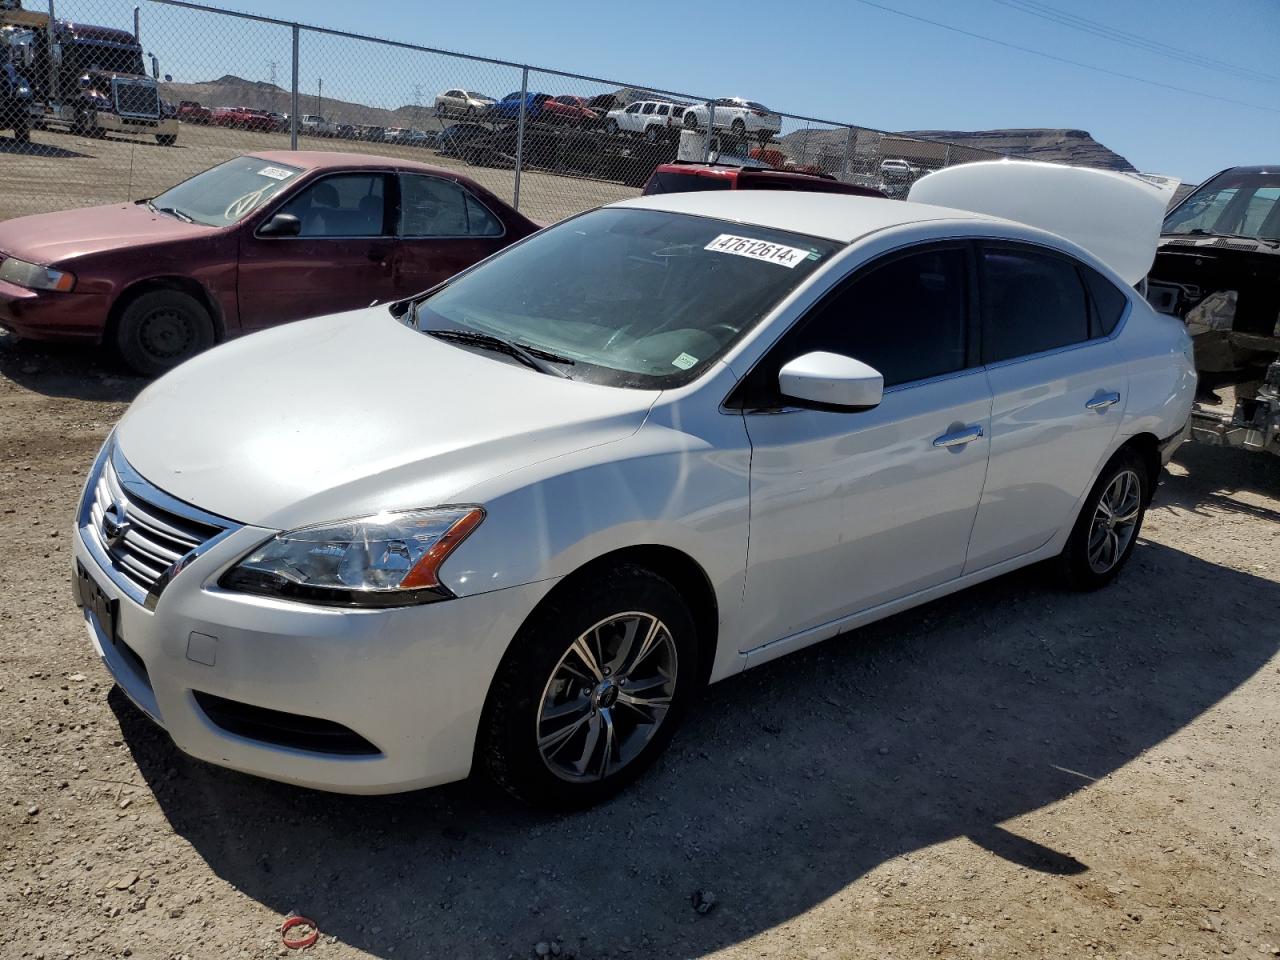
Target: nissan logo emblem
x=115 y=524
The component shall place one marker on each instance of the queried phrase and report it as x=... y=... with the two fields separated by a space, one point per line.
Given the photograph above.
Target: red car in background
x=687 y=177
x=242 y=118
x=570 y=110
x=256 y=241
x=189 y=111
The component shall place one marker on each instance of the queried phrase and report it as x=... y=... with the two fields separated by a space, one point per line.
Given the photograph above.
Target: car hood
x=355 y=413
x=52 y=238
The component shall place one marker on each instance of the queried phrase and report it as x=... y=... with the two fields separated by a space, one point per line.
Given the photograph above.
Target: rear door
x=343 y=258
x=443 y=228
x=1059 y=389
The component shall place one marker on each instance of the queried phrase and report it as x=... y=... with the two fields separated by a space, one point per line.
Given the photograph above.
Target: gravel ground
x=1013 y=772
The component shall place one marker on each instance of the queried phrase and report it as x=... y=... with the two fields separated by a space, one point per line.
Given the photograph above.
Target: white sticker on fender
x=783 y=256
x=275 y=173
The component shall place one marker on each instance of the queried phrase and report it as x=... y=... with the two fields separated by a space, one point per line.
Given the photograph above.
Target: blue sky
x=840 y=59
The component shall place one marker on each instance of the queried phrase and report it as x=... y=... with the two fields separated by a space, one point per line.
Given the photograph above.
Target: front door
x=853 y=509
x=1059 y=392
x=343 y=258
x=443 y=229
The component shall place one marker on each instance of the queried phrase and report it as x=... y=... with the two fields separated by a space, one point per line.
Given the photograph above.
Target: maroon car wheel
x=160 y=329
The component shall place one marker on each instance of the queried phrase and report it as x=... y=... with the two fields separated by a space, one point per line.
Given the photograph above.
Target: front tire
x=160 y=329
x=1110 y=520
x=591 y=690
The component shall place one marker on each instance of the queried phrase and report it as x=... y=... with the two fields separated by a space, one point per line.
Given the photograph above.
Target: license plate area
x=105 y=610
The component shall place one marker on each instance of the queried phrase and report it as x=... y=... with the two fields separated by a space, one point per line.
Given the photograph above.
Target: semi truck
x=86 y=78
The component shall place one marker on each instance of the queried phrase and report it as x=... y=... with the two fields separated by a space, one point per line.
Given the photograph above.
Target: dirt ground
x=58 y=170
x=1013 y=772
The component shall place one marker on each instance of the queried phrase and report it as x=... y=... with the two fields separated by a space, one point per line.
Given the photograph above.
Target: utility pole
x=271 y=65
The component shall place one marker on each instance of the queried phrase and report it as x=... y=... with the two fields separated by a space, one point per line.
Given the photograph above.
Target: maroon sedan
x=569 y=109
x=250 y=243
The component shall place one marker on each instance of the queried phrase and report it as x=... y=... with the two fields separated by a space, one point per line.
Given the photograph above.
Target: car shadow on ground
x=785 y=785
x=8 y=145
x=67 y=370
x=1209 y=476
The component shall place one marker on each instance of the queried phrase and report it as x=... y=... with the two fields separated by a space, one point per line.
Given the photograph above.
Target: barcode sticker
x=275 y=173
x=778 y=253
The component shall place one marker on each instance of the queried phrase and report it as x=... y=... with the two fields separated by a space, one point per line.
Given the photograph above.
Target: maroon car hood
x=51 y=238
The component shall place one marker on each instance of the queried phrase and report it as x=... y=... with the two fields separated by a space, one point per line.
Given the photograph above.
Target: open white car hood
x=1115 y=216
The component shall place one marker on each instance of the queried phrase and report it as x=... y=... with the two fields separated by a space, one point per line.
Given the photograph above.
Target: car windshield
x=227 y=193
x=1234 y=204
x=635 y=298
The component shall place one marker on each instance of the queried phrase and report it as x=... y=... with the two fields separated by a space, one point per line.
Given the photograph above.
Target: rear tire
x=564 y=730
x=738 y=128
x=611 y=127
x=160 y=329
x=1110 y=520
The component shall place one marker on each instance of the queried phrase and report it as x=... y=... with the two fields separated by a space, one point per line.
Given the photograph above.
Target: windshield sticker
x=684 y=361
x=783 y=256
x=275 y=173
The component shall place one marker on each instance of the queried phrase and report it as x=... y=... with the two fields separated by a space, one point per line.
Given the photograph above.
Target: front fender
x=682 y=481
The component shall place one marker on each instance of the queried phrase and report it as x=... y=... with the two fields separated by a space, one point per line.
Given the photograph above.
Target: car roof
x=834 y=216
x=327 y=160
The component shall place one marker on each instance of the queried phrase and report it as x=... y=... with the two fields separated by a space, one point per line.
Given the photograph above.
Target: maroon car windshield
x=227 y=193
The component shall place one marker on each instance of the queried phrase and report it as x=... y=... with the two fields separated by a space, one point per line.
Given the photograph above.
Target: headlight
x=386 y=560
x=36 y=277
x=24 y=91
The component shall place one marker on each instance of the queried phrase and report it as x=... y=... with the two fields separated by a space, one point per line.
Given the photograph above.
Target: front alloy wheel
x=607 y=697
x=591 y=689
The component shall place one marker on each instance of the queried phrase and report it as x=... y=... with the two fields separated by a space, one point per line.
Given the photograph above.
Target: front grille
x=283 y=729
x=136 y=99
x=142 y=531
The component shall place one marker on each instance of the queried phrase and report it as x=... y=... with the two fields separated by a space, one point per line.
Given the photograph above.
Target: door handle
x=1102 y=401
x=959 y=438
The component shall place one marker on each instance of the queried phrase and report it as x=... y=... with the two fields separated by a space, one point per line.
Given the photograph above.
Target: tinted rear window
x=1031 y=302
x=685 y=183
x=1108 y=302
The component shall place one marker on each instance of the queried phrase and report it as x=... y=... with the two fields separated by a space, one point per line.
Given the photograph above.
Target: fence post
x=711 y=131
x=524 y=96
x=946 y=157
x=293 y=95
x=53 y=67
x=848 y=154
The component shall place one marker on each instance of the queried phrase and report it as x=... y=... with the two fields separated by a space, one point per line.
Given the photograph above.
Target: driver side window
x=344 y=205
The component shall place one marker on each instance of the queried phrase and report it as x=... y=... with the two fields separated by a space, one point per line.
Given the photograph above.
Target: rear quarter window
x=1108 y=302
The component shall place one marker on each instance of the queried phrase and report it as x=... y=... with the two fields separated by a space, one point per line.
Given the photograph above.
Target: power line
x=1066 y=60
x=1064 y=18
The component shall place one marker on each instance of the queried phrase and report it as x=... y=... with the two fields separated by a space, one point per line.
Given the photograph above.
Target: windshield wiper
x=535 y=357
x=175 y=212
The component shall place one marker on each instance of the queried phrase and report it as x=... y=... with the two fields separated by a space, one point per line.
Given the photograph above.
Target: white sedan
x=520 y=521
x=739 y=116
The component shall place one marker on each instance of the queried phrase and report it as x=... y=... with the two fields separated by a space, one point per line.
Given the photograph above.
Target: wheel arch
x=181 y=284
x=674 y=565
x=1147 y=447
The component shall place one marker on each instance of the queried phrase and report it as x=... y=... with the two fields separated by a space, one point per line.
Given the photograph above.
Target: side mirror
x=831 y=380
x=281 y=225
x=155 y=67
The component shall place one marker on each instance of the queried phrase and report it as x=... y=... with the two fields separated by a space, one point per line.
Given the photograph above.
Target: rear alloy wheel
x=1109 y=523
x=738 y=128
x=160 y=329
x=611 y=127
x=591 y=690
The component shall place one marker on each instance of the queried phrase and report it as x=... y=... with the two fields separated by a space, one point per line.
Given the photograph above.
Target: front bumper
x=411 y=681
x=49 y=315
x=118 y=124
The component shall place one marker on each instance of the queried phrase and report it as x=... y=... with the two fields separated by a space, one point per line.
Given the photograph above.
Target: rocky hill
x=1076 y=147
x=231 y=91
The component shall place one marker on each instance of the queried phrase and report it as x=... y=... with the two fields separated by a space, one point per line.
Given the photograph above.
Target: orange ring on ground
x=301 y=942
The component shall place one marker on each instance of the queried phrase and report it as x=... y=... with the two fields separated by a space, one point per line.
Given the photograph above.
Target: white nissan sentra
x=517 y=523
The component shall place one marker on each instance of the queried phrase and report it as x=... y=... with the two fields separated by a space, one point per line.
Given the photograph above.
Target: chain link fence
x=124 y=101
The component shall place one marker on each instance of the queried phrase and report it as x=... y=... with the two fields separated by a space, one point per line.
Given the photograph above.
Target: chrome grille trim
x=162 y=534
x=136 y=99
